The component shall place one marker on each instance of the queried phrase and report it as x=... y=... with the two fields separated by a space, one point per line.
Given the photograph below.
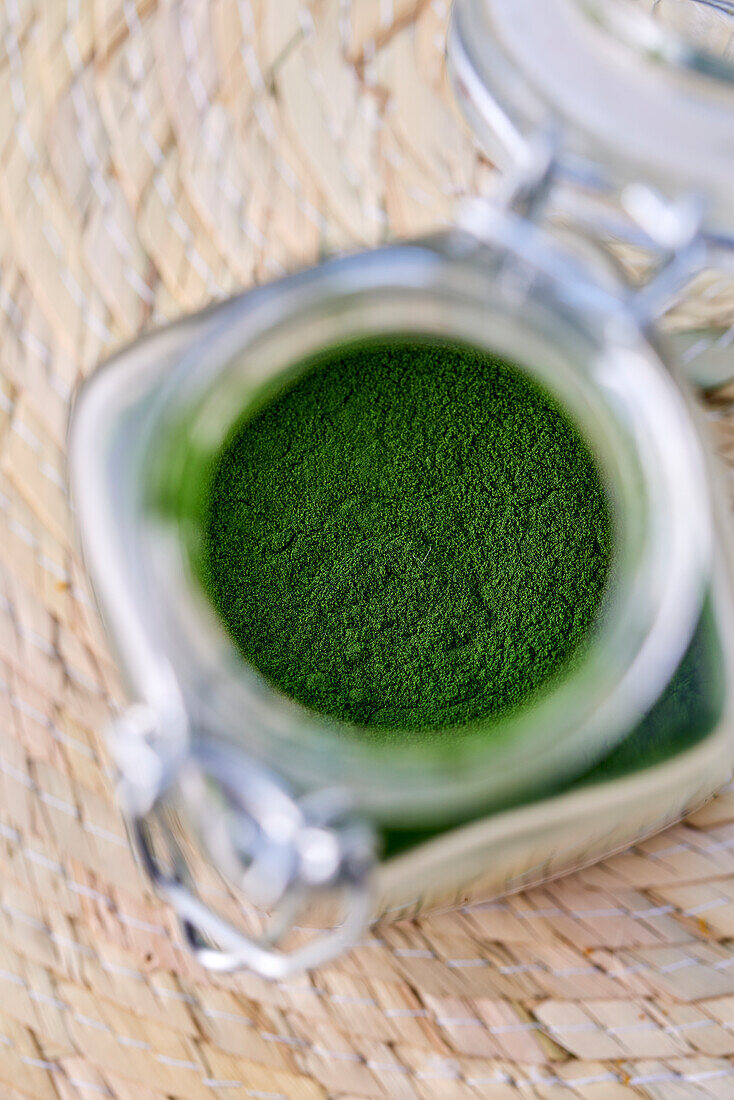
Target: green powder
x=413 y=537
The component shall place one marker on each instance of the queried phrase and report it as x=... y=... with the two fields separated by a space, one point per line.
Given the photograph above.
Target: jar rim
x=566 y=720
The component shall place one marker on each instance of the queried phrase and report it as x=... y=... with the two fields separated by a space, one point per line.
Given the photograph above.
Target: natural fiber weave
x=154 y=156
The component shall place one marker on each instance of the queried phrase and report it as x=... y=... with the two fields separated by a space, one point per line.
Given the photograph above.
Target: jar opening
x=411 y=538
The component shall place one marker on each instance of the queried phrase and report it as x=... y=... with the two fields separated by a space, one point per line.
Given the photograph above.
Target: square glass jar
x=210 y=750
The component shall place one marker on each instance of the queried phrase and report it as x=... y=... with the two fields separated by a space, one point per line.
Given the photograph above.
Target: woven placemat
x=156 y=156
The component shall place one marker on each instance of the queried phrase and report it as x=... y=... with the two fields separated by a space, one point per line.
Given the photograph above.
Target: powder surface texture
x=411 y=538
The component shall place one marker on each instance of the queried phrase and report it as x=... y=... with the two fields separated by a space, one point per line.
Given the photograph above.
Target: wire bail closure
x=672 y=231
x=278 y=852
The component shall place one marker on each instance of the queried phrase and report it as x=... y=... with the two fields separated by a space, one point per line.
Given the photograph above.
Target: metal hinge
x=274 y=851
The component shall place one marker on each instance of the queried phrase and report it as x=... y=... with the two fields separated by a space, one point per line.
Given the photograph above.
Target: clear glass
x=636 y=101
x=525 y=301
x=693 y=35
x=634 y=92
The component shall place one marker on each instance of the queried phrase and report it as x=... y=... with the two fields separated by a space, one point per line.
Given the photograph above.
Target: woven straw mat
x=155 y=156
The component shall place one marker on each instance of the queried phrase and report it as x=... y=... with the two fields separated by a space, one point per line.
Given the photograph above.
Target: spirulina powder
x=411 y=538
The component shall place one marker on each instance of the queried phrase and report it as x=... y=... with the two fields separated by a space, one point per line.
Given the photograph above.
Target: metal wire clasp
x=546 y=200
x=273 y=850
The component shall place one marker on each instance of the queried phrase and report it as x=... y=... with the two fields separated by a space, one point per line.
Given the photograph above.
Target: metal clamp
x=671 y=230
x=276 y=851
x=674 y=232
x=544 y=192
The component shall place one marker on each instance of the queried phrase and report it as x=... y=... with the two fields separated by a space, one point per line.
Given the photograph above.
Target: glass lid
x=697 y=35
x=644 y=89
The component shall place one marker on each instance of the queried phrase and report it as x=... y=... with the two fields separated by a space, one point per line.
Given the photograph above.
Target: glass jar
x=234 y=793
x=634 y=92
